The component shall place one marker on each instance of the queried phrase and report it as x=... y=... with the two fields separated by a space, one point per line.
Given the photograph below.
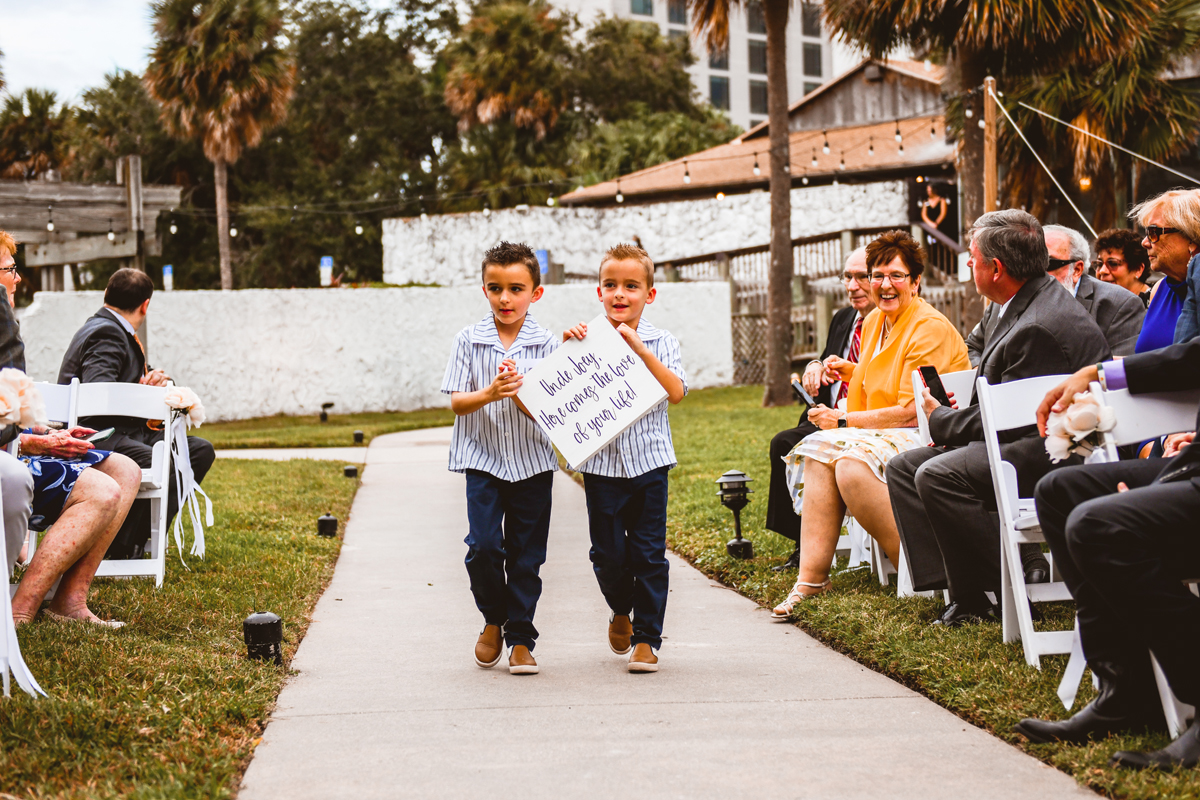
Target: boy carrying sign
x=626 y=482
x=508 y=461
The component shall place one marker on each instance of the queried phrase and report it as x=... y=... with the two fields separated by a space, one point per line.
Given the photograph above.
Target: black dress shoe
x=1128 y=701
x=1183 y=752
x=793 y=562
x=956 y=614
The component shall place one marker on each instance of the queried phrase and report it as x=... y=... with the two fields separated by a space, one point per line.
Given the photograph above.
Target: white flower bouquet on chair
x=20 y=401
x=1078 y=429
x=186 y=411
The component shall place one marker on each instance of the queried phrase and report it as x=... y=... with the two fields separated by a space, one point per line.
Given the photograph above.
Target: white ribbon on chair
x=186 y=489
x=10 y=654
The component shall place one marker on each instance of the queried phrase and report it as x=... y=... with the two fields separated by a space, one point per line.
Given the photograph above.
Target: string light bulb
x=487 y=210
x=757 y=170
x=842 y=164
x=687 y=176
x=901 y=150
x=233 y=231
x=871 y=146
x=174 y=228
x=969 y=112
x=50 y=219
x=814 y=158
x=111 y=236
x=899 y=138
x=932 y=130
x=825 y=146
x=982 y=123
x=358 y=229
x=621 y=198
x=550 y=201
x=804 y=179
x=720 y=196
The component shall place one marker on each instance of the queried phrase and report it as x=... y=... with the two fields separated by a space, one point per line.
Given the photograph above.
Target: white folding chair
x=1003 y=407
x=10 y=649
x=146 y=403
x=957 y=383
x=1139 y=418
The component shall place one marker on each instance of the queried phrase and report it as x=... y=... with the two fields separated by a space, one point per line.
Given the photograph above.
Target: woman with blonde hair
x=843 y=463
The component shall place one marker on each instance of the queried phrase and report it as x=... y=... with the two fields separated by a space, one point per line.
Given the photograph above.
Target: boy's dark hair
x=882 y=251
x=506 y=254
x=1130 y=245
x=127 y=289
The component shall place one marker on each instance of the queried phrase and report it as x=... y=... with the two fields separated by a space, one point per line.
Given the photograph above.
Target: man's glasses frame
x=862 y=279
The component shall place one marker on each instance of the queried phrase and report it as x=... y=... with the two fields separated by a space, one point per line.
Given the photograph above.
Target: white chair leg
x=1179 y=715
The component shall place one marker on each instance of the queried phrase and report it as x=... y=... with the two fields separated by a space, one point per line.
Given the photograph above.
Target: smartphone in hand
x=100 y=436
x=933 y=382
x=804 y=396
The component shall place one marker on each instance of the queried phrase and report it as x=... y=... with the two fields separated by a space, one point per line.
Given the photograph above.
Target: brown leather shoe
x=520 y=661
x=619 y=631
x=643 y=659
x=489 y=647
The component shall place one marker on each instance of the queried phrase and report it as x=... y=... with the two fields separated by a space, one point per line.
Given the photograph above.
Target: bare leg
x=821 y=522
x=867 y=499
x=89 y=521
x=71 y=598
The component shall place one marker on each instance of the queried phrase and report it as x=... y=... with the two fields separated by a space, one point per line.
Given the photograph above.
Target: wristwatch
x=842 y=420
x=1100 y=376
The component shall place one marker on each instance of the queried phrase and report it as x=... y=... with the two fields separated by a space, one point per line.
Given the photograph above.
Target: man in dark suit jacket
x=1113 y=308
x=1124 y=537
x=781 y=515
x=107 y=350
x=942 y=496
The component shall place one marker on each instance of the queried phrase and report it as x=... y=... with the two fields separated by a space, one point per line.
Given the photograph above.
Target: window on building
x=677 y=12
x=754 y=122
x=756 y=21
x=718 y=91
x=811 y=87
x=719 y=59
x=812 y=59
x=810 y=19
x=676 y=33
x=643 y=8
x=758 y=97
x=758 y=57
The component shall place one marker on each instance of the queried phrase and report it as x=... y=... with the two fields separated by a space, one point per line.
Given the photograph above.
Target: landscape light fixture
x=757 y=170
x=50 y=219
x=358 y=437
x=735 y=495
x=687 y=176
x=263 y=632
x=350 y=471
x=325 y=411
x=111 y=236
x=825 y=146
x=327 y=525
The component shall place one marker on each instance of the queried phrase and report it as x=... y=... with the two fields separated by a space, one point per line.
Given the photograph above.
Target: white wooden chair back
x=147 y=403
x=1146 y=416
x=59 y=399
x=957 y=383
x=1003 y=407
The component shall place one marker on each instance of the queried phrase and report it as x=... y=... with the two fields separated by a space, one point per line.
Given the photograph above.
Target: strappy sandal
x=783 y=611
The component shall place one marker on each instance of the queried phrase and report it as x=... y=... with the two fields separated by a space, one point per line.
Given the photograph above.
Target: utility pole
x=991 y=187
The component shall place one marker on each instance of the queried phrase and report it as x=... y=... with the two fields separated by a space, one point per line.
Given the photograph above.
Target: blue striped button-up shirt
x=497 y=439
x=645 y=445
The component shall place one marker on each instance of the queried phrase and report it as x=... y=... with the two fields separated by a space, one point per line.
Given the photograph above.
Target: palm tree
x=34 y=134
x=710 y=19
x=220 y=77
x=1003 y=38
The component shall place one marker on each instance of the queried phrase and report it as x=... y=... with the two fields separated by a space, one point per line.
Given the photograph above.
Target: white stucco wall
x=447 y=249
x=259 y=352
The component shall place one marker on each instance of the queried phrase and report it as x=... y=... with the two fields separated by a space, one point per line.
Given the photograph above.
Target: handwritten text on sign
x=589 y=391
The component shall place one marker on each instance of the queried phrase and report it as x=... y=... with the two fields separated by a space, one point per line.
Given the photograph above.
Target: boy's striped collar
x=647 y=332
x=531 y=334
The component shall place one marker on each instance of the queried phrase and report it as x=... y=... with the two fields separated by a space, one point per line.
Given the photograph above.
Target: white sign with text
x=589 y=391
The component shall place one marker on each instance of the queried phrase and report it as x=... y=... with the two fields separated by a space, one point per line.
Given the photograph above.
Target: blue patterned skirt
x=53 y=480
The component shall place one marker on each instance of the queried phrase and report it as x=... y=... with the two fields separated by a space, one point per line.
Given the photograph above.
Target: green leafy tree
x=222 y=77
x=624 y=67
x=711 y=20
x=35 y=134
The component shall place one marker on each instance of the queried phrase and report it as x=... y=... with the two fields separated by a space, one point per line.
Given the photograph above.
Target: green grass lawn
x=969 y=670
x=309 y=431
x=170 y=707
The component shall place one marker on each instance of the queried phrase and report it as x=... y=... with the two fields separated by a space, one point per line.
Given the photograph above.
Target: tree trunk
x=221 y=181
x=971 y=72
x=778 y=390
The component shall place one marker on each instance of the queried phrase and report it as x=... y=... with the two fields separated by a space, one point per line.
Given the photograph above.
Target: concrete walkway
x=351 y=455
x=388 y=703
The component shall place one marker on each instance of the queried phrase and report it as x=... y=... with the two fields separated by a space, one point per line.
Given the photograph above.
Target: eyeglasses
x=1112 y=263
x=1155 y=232
x=1059 y=263
x=896 y=278
x=850 y=277
x=13 y=270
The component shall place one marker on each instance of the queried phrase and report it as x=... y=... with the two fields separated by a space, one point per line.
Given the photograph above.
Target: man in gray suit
x=1113 y=309
x=942 y=496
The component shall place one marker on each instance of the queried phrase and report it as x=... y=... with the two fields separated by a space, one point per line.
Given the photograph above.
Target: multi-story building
x=735 y=80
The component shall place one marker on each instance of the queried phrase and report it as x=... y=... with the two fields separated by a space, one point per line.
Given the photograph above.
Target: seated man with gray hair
x=1117 y=312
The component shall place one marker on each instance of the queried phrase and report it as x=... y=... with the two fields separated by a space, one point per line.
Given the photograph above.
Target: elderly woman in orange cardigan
x=844 y=462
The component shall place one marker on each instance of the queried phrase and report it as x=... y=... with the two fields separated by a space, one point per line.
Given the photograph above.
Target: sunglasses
x=1155 y=232
x=1059 y=263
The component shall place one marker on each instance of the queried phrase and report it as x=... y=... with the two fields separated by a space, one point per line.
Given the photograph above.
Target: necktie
x=855 y=346
x=142 y=347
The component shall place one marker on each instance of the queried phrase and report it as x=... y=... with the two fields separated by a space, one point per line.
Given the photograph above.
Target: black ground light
x=358 y=437
x=325 y=411
x=264 y=636
x=350 y=471
x=734 y=495
x=327 y=525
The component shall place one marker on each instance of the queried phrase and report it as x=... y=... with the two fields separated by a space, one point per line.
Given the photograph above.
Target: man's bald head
x=854 y=278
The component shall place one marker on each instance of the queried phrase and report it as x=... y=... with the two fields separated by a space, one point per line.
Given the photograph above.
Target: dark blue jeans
x=627 y=518
x=506 y=547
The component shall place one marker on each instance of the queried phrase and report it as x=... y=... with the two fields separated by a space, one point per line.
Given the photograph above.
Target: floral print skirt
x=873 y=447
x=53 y=480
